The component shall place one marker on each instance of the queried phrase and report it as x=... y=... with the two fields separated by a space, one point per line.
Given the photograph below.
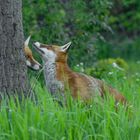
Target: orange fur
x=29 y=55
x=79 y=84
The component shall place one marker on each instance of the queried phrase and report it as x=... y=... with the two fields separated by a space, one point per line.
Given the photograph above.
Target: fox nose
x=37 y=44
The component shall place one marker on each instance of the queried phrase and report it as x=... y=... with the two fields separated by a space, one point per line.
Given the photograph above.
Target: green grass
x=47 y=120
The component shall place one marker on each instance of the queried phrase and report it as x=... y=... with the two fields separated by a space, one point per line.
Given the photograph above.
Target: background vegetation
x=97 y=28
x=103 y=33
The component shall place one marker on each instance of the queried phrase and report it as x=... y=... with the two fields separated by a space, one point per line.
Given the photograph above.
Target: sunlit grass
x=47 y=120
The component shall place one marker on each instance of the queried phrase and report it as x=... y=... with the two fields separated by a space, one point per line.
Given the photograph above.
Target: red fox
x=30 y=61
x=59 y=77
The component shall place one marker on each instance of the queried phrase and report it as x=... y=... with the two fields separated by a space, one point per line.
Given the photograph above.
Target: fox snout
x=37 y=48
x=37 y=44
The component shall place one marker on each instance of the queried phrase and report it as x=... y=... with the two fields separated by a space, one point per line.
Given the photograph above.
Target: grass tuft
x=47 y=120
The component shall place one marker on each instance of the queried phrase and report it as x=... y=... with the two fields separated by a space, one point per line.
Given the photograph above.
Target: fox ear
x=65 y=47
x=26 y=43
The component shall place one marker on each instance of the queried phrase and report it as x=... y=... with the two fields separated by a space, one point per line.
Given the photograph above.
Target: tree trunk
x=13 y=69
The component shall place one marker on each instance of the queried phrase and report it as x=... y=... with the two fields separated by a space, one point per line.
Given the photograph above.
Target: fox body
x=59 y=77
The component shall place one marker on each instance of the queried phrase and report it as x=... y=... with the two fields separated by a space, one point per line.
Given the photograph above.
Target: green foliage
x=108 y=62
x=126 y=16
x=126 y=48
x=84 y=23
x=109 y=68
x=58 y=22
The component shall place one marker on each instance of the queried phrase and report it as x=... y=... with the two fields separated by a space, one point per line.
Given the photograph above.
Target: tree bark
x=13 y=69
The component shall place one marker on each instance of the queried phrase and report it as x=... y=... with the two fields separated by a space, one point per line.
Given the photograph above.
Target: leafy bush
x=108 y=62
x=125 y=16
x=108 y=67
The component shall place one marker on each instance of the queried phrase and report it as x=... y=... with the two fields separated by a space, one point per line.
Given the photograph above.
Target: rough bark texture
x=12 y=61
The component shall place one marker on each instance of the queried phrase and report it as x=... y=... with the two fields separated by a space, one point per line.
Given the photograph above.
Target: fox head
x=30 y=61
x=52 y=53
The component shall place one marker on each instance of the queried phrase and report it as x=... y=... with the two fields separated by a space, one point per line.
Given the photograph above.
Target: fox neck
x=63 y=71
x=53 y=85
x=56 y=74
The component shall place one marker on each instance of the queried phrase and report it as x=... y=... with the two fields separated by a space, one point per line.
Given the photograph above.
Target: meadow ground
x=46 y=120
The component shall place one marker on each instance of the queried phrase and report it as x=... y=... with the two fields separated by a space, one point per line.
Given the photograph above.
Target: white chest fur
x=54 y=86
